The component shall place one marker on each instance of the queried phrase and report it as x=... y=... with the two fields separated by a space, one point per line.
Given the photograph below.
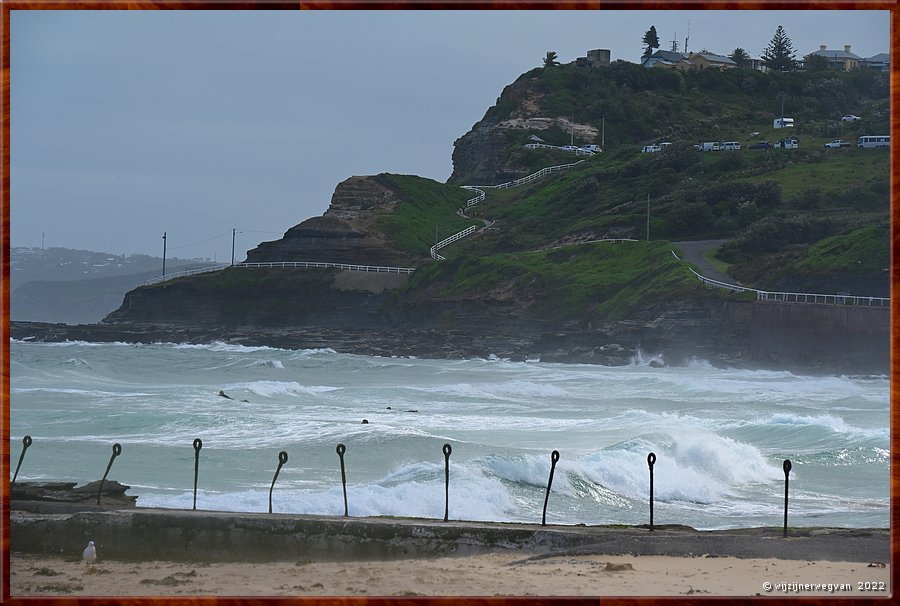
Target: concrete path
x=692 y=252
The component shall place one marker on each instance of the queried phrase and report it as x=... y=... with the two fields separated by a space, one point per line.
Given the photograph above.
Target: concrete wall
x=847 y=338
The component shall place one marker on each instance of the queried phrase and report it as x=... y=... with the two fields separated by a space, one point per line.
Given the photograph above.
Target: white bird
x=89 y=555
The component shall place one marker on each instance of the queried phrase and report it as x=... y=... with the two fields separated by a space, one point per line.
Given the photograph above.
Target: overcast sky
x=128 y=124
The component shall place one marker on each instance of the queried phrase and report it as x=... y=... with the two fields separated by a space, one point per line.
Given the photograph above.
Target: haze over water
x=719 y=435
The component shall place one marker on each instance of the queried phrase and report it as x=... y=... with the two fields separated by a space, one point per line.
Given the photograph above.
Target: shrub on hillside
x=775 y=233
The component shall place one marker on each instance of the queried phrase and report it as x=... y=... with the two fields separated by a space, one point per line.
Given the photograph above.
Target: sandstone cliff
x=346 y=233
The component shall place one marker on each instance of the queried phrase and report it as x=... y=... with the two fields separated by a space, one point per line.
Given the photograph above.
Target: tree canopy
x=651 y=40
x=550 y=59
x=779 y=55
x=740 y=57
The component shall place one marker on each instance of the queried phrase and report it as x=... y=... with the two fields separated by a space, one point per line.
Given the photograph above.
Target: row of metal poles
x=341 y=449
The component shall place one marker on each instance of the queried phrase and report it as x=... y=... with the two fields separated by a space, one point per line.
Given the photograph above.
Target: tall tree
x=651 y=40
x=550 y=59
x=815 y=63
x=740 y=57
x=779 y=55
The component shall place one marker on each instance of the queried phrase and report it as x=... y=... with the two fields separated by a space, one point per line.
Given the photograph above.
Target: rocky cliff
x=346 y=233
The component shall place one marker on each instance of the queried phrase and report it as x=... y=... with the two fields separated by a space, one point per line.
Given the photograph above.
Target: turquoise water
x=720 y=435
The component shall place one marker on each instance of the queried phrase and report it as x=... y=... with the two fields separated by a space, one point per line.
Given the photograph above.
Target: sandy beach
x=505 y=573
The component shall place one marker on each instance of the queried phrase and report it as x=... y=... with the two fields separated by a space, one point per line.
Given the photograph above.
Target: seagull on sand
x=89 y=555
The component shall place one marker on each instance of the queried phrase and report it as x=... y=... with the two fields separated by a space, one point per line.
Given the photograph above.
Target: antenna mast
x=688 y=37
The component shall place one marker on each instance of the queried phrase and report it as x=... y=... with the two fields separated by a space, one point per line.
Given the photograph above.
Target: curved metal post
x=651 y=461
x=787 y=471
x=554 y=457
x=26 y=442
x=282 y=459
x=116 y=451
x=341 y=449
x=198 y=444
x=447 y=450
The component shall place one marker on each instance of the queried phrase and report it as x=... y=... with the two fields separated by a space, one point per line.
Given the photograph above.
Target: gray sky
x=128 y=124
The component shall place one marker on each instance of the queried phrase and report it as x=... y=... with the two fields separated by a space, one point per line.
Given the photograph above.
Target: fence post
x=787 y=470
x=198 y=444
x=447 y=450
x=26 y=442
x=554 y=457
x=282 y=459
x=116 y=451
x=651 y=461
x=341 y=449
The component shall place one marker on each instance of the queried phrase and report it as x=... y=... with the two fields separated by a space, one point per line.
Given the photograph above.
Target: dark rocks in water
x=657 y=363
x=365 y=421
x=65 y=492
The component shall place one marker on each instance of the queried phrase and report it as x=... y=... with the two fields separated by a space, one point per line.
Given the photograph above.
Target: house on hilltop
x=880 y=62
x=668 y=60
x=839 y=60
x=711 y=61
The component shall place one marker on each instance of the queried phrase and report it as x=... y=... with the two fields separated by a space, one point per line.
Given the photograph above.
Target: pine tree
x=651 y=39
x=779 y=55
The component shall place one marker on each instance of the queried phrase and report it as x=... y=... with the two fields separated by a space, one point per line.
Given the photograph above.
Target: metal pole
x=447 y=450
x=164 y=255
x=554 y=457
x=282 y=459
x=648 y=217
x=787 y=471
x=198 y=444
x=233 y=232
x=651 y=461
x=26 y=442
x=116 y=451
x=341 y=449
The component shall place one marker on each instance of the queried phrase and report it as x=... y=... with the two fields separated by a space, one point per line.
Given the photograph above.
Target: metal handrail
x=795 y=297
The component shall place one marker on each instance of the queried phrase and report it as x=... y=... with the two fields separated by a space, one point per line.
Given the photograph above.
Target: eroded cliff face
x=346 y=233
x=482 y=156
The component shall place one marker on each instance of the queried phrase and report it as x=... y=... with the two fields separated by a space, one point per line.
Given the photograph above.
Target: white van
x=873 y=141
x=731 y=145
x=650 y=149
x=710 y=146
x=783 y=123
x=592 y=148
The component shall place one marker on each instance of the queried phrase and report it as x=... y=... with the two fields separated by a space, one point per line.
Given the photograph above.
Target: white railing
x=186 y=272
x=287 y=265
x=577 y=151
x=524 y=180
x=796 y=297
x=325 y=265
x=450 y=240
x=480 y=197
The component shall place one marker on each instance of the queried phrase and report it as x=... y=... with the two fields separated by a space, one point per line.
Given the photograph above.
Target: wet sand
x=500 y=573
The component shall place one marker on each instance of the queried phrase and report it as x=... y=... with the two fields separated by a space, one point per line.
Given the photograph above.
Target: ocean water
x=719 y=435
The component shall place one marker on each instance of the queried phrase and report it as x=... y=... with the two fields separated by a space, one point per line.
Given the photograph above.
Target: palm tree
x=550 y=59
x=740 y=57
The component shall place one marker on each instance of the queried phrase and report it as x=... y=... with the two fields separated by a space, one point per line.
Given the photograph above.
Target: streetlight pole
x=233 y=232
x=164 y=255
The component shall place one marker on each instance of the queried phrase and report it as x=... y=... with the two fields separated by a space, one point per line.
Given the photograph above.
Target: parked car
x=709 y=146
x=783 y=123
x=761 y=145
x=650 y=149
x=592 y=148
x=850 y=118
x=788 y=144
x=569 y=148
x=731 y=145
x=837 y=143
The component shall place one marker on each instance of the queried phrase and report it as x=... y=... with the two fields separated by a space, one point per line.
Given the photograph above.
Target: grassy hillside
x=426 y=209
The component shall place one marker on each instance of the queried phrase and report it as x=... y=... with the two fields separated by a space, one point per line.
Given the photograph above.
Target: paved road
x=692 y=252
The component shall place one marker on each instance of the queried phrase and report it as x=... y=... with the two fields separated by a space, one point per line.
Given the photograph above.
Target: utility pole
x=603 y=135
x=648 y=217
x=164 y=255
x=233 y=232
